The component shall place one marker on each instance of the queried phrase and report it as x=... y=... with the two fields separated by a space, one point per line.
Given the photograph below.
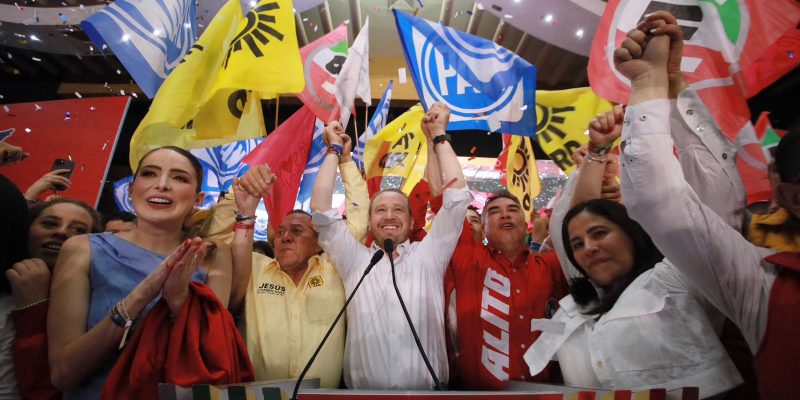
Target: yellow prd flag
x=399 y=149
x=563 y=117
x=204 y=101
x=522 y=174
x=178 y=101
x=263 y=56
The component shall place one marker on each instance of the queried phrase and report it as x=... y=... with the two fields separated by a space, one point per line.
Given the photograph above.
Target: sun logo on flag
x=548 y=121
x=256 y=29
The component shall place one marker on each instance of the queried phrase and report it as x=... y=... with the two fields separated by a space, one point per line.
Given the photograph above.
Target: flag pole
x=277 y=108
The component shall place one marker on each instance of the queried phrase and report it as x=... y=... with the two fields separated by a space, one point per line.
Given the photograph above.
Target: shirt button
x=643 y=118
x=627 y=121
x=690 y=112
x=599 y=364
x=724 y=156
x=294 y=340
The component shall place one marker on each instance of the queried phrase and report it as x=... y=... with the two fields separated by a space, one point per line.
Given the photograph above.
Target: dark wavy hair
x=14 y=225
x=645 y=254
x=198 y=168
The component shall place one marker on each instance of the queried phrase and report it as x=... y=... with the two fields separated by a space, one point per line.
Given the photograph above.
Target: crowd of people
x=650 y=273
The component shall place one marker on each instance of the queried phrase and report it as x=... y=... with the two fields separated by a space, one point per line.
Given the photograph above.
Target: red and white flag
x=721 y=41
x=354 y=77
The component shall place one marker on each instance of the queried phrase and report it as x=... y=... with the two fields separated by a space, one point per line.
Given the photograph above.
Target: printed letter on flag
x=353 y=79
x=399 y=149
x=285 y=150
x=377 y=123
x=149 y=37
x=486 y=86
x=563 y=117
x=322 y=61
x=721 y=42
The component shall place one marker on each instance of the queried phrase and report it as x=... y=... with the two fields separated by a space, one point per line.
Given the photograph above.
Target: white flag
x=354 y=77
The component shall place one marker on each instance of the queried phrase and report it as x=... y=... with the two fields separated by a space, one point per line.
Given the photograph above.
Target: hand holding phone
x=57 y=179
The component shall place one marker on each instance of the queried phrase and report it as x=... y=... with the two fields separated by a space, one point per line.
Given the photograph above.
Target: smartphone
x=61 y=163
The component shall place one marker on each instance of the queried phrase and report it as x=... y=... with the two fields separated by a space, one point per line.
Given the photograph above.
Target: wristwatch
x=442 y=138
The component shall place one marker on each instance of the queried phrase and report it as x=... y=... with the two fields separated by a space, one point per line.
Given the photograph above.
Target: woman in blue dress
x=103 y=283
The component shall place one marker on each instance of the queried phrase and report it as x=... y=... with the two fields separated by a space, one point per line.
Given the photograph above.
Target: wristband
x=242 y=218
x=591 y=157
x=442 y=138
x=335 y=149
x=243 y=226
x=600 y=150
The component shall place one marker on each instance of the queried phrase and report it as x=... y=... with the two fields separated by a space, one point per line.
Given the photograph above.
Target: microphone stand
x=375 y=258
x=388 y=245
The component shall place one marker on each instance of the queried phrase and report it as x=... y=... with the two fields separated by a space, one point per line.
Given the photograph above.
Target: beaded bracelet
x=591 y=157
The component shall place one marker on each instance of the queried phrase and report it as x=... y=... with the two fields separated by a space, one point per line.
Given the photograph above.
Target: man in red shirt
x=492 y=293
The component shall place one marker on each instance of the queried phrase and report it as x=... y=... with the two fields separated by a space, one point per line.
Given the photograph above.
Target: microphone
x=375 y=258
x=388 y=245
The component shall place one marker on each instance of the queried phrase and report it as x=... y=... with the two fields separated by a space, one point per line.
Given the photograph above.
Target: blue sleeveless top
x=116 y=267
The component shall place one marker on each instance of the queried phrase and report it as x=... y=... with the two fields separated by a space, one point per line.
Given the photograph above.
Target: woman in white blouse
x=631 y=321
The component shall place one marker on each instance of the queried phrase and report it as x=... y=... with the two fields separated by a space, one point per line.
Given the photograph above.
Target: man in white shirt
x=380 y=351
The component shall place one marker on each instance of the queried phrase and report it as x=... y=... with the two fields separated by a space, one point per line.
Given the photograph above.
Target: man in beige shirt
x=291 y=300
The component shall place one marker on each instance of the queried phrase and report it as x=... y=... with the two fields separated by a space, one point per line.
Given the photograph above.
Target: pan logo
x=448 y=77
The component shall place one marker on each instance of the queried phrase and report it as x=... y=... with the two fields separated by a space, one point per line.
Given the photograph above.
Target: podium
x=282 y=390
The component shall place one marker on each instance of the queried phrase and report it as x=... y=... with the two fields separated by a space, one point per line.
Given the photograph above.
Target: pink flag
x=323 y=59
x=285 y=150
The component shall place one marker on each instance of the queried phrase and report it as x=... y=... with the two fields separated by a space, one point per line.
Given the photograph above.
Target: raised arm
x=322 y=196
x=434 y=126
x=356 y=195
x=249 y=190
x=706 y=156
x=713 y=256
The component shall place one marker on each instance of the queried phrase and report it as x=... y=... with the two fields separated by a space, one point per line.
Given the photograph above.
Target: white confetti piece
x=78 y=95
x=119 y=72
x=104 y=146
x=122 y=92
x=401 y=75
x=28 y=130
x=134 y=95
x=36 y=107
x=37 y=59
x=6 y=109
x=523 y=108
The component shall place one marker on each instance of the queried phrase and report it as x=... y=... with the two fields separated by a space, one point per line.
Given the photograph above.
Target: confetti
x=104 y=146
x=473 y=150
x=67 y=116
x=122 y=92
x=28 y=130
x=63 y=17
x=119 y=72
x=1 y=97
x=6 y=109
x=69 y=156
x=105 y=46
x=36 y=107
x=134 y=95
x=790 y=54
x=80 y=6
x=83 y=166
x=523 y=108
x=472 y=158
x=78 y=95
x=92 y=108
x=36 y=59
x=401 y=73
x=346 y=22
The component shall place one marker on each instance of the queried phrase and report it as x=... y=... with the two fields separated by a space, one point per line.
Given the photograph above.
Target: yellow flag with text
x=562 y=119
x=399 y=149
x=521 y=172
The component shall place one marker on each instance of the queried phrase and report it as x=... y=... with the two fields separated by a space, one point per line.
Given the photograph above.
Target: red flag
x=322 y=61
x=721 y=43
x=776 y=61
x=502 y=159
x=285 y=150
